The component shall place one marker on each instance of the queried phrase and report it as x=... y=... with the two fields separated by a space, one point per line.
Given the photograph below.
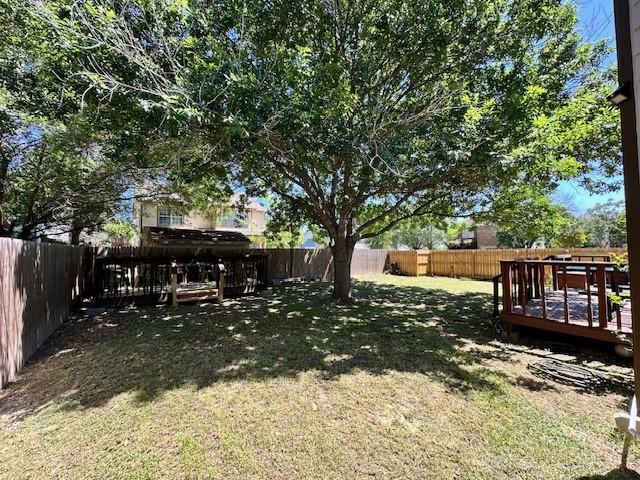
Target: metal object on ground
x=569 y=374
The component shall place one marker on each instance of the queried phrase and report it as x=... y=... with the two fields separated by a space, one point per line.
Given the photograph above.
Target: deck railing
x=583 y=290
x=118 y=280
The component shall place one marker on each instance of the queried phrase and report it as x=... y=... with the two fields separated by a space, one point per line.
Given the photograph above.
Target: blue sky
x=596 y=21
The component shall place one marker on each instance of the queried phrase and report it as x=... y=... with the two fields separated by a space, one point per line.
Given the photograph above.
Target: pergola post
x=626 y=53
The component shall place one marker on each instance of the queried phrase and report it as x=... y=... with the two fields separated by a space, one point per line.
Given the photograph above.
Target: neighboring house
x=309 y=242
x=486 y=237
x=250 y=222
x=482 y=237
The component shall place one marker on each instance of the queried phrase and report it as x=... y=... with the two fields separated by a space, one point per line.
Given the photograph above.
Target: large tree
x=525 y=215
x=357 y=114
x=65 y=167
x=606 y=225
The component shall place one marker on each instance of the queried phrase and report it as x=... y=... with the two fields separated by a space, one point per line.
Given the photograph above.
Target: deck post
x=523 y=286
x=554 y=277
x=589 y=307
x=505 y=268
x=542 y=292
x=565 y=293
x=221 y=282
x=601 y=281
x=630 y=161
x=496 y=296
x=174 y=284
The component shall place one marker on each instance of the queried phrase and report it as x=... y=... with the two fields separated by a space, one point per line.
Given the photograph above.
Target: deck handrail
x=524 y=287
x=561 y=262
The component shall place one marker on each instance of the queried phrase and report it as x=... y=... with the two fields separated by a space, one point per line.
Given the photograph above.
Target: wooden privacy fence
x=478 y=264
x=316 y=264
x=411 y=262
x=39 y=284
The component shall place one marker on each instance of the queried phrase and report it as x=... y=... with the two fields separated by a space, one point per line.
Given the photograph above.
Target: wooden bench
x=196 y=291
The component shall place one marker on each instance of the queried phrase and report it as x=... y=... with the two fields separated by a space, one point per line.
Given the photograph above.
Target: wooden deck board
x=197 y=286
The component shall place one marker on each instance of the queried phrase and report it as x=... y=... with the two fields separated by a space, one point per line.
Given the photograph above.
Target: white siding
x=256 y=218
x=149 y=215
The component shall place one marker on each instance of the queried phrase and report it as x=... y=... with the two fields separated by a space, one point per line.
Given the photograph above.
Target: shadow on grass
x=617 y=474
x=153 y=350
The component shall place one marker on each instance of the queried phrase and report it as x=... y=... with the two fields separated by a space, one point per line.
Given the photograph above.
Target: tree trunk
x=342 y=254
x=75 y=235
x=26 y=233
x=4 y=169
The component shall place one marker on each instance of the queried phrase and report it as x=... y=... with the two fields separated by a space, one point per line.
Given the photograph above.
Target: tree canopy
x=357 y=115
x=527 y=217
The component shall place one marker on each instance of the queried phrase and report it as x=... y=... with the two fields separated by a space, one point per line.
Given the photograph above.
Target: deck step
x=196 y=291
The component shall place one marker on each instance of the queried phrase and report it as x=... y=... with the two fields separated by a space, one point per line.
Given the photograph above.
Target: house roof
x=154 y=192
x=250 y=203
x=163 y=234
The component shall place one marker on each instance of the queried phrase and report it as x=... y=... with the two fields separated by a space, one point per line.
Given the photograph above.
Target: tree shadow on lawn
x=617 y=474
x=156 y=349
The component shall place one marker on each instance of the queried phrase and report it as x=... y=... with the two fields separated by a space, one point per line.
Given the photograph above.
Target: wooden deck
x=540 y=294
x=578 y=316
x=121 y=280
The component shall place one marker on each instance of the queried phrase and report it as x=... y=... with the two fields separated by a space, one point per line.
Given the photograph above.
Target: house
x=481 y=237
x=486 y=237
x=160 y=224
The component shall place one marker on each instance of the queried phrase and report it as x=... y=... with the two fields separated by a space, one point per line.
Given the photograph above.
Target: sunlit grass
x=409 y=382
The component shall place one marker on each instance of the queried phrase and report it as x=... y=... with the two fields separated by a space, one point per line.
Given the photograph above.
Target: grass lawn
x=410 y=382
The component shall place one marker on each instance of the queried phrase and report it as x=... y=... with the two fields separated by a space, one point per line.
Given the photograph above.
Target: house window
x=169 y=218
x=233 y=219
